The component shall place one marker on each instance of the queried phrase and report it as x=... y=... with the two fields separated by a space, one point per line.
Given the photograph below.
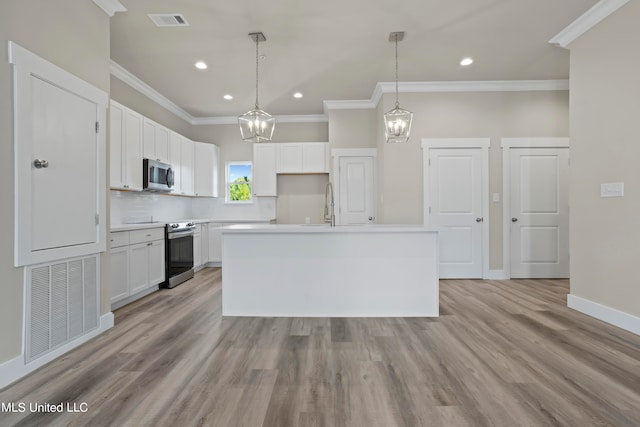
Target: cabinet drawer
x=118 y=239
x=146 y=235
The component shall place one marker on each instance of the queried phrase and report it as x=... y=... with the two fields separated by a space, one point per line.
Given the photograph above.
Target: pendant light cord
x=397 y=103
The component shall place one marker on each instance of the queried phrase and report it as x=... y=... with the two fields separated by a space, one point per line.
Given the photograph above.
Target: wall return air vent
x=168 y=19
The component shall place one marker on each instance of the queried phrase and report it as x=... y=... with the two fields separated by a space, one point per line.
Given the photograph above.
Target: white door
x=64 y=207
x=356 y=190
x=455 y=203
x=539 y=211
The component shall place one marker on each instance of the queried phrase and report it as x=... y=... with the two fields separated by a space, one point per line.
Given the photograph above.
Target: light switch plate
x=612 y=189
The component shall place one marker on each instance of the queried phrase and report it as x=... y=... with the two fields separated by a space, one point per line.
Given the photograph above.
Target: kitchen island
x=321 y=271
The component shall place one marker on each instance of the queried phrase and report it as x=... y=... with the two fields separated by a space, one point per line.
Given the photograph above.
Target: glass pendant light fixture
x=397 y=122
x=256 y=125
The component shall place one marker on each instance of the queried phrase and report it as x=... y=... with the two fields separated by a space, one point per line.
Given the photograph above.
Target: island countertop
x=326 y=228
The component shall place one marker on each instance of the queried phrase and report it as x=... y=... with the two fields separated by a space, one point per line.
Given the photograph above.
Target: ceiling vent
x=168 y=19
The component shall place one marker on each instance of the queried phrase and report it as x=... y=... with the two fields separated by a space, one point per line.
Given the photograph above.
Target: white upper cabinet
x=315 y=157
x=205 y=169
x=264 y=170
x=125 y=133
x=289 y=158
x=175 y=160
x=187 y=167
x=303 y=157
x=156 y=141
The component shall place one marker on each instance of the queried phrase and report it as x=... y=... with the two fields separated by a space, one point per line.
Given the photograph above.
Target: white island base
x=322 y=271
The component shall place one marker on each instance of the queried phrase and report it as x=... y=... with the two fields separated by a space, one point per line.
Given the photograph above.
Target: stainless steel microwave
x=157 y=176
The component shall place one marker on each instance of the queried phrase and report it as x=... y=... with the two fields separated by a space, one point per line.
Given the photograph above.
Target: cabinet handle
x=150 y=243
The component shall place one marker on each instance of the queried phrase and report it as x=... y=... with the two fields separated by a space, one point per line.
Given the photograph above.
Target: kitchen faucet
x=329 y=215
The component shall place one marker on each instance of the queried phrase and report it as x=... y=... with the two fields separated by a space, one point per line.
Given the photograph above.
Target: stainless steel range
x=179 y=258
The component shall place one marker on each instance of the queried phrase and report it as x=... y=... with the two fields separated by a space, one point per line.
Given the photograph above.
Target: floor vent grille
x=62 y=304
x=168 y=19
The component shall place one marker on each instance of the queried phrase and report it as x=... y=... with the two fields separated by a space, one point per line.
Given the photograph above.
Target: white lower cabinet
x=215 y=242
x=197 y=246
x=137 y=264
x=119 y=273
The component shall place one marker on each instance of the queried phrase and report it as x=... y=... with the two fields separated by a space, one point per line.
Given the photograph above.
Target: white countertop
x=140 y=226
x=326 y=228
x=161 y=224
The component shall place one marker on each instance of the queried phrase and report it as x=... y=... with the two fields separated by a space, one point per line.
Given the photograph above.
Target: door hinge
x=97 y=127
x=429 y=209
x=97 y=219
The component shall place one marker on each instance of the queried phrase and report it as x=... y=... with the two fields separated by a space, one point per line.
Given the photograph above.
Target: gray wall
x=447 y=115
x=605 y=112
x=75 y=36
x=129 y=97
x=298 y=195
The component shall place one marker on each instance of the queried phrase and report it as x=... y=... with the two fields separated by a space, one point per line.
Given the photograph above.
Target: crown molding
x=355 y=104
x=123 y=74
x=233 y=120
x=110 y=7
x=447 y=86
x=588 y=20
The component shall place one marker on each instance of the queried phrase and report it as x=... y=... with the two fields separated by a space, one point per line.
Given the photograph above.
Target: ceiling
x=334 y=49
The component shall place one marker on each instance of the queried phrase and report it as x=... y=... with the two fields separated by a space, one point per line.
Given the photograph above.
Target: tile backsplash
x=132 y=207
x=128 y=207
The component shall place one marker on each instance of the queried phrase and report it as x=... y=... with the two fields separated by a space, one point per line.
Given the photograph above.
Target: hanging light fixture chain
x=397 y=103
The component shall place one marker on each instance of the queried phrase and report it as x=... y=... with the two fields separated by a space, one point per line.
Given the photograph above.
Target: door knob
x=514 y=219
x=370 y=218
x=40 y=163
x=478 y=219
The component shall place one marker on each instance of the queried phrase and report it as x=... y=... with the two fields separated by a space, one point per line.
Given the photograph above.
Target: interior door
x=356 y=190
x=455 y=199
x=539 y=208
x=64 y=208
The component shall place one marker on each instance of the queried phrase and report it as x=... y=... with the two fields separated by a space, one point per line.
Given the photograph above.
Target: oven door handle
x=179 y=234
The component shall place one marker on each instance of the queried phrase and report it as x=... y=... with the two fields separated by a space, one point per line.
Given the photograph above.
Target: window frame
x=228 y=183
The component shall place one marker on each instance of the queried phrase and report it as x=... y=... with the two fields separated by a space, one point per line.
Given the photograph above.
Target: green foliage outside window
x=240 y=189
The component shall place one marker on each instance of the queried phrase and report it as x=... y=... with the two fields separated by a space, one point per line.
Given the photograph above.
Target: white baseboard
x=497 y=275
x=14 y=369
x=610 y=315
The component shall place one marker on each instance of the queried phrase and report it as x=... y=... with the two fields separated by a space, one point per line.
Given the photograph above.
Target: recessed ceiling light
x=297 y=95
x=200 y=65
x=228 y=97
x=466 y=61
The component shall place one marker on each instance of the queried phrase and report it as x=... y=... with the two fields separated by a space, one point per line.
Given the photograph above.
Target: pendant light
x=397 y=122
x=256 y=125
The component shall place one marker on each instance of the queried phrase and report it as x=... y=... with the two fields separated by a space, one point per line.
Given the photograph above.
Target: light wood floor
x=503 y=353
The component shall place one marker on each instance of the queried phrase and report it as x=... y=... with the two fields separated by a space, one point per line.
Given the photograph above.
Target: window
x=239 y=182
